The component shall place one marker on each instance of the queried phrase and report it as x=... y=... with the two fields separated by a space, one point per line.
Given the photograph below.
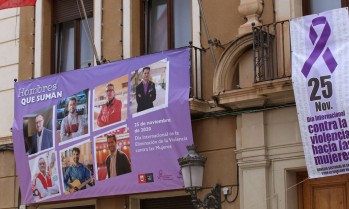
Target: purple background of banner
x=164 y=161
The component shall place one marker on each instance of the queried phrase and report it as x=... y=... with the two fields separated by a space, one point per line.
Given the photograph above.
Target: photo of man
x=44 y=182
x=112 y=153
x=110 y=102
x=117 y=162
x=111 y=110
x=79 y=174
x=37 y=131
x=145 y=91
x=42 y=138
x=71 y=125
x=149 y=88
x=72 y=117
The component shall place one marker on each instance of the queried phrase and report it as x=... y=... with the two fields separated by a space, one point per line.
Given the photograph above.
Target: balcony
x=254 y=71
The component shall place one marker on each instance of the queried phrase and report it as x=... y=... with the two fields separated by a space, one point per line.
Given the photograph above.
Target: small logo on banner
x=163 y=176
x=149 y=177
x=145 y=178
x=141 y=178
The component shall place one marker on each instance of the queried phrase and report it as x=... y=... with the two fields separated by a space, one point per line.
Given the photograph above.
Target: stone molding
x=227 y=64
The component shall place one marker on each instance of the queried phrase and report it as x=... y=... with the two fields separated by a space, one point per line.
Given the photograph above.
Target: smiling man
x=117 y=162
x=42 y=138
x=111 y=110
x=72 y=124
x=43 y=183
x=145 y=92
x=77 y=176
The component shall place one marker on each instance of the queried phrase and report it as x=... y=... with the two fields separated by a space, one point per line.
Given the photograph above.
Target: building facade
x=244 y=118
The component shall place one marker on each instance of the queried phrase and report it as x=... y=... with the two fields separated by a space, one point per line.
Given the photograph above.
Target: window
x=72 y=48
x=166 y=25
x=317 y=6
x=183 y=202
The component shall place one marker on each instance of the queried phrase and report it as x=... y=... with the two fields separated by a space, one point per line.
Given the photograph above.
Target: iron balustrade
x=271 y=51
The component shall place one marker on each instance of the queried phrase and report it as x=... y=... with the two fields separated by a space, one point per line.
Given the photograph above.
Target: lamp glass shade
x=193 y=176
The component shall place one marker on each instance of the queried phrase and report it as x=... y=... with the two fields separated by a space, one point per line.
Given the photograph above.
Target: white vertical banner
x=320 y=75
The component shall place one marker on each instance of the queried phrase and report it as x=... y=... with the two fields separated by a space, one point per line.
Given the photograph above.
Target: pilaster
x=253 y=161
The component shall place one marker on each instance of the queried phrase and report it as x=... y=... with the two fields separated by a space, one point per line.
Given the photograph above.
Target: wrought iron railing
x=271 y=47
x=195 y=72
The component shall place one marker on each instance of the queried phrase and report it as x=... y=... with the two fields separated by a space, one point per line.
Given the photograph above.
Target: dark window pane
x=166 y=25
x=182 y=202
x=85 y=46
x=158 y=26
x=73 y=49
x=318 y=6
x=182 y=23
x=66 y=47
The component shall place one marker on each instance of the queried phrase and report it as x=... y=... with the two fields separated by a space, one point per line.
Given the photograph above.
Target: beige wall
x=270 y=153
x=26 y=43
x=112 y=30
x=8 y=181
x=9 y=46
x=9 y=22
x=223 y=20
x=215 y=138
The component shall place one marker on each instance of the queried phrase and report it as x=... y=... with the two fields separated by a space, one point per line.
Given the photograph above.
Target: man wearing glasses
x=111 y=110
x=42 y=138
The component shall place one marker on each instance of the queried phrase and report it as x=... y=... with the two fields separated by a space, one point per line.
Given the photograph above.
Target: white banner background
x=322 y=96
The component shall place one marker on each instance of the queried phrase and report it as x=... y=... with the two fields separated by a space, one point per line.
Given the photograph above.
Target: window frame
x=306 y=6
x=56 y=49
x=145 y=28
x=58 y=18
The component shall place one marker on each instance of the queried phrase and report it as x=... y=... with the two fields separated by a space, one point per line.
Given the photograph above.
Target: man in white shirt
x=43 y=183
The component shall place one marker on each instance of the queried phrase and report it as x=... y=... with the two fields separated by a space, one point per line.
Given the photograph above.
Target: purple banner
x=112 y=129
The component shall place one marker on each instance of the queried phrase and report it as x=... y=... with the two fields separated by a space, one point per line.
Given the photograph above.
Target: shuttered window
x=180 y=202
x=66 y=10
x=72 y=47
x=78 y=207
x=166 y=25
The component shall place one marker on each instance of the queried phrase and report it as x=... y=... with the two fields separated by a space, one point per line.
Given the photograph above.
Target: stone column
x=251 y=10
x=253 y=161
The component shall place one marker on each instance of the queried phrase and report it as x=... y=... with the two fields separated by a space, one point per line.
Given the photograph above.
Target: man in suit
x=145 y=92
x=42 y=139
x=117 y=162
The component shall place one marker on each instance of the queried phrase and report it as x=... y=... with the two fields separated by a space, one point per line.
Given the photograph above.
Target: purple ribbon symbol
x=319 y=46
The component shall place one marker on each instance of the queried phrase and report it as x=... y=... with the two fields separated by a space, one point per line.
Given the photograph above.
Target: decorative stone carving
x=251 y=10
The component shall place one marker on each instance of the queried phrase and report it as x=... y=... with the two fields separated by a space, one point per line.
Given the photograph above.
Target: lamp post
x=192 y=167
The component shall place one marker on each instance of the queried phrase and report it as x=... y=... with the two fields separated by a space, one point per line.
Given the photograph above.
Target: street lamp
x=192 y=167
